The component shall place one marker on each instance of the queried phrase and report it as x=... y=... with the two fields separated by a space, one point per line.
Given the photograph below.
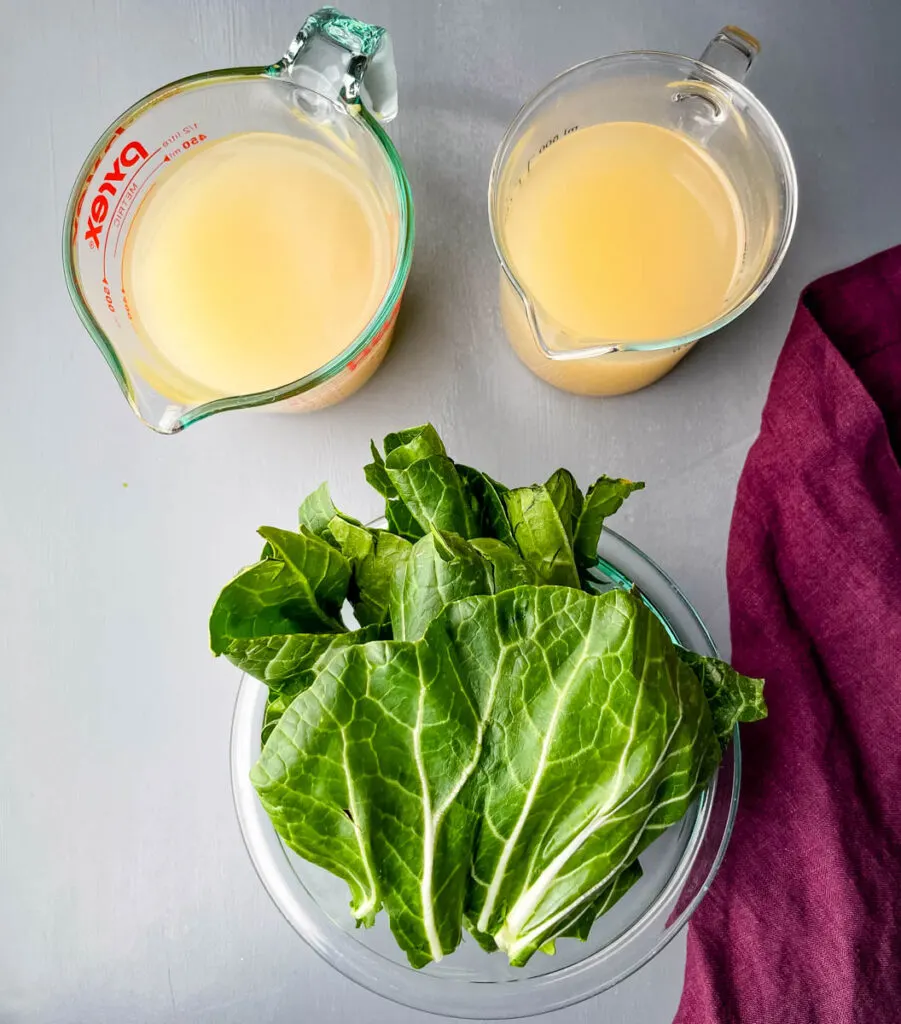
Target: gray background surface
x=125 y=892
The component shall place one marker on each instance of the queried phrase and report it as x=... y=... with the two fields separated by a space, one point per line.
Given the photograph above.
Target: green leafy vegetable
x=317 y=511
x=563 y=724
x=492 y=747
x=400 y=518
x=287 y=663
x=376 y=556
x=581 y=925
x=505 y=566
x=406 y=447
x=428 y=483
x=489 y=497
x=440 y=568
x=279 y=620
x=300 y=588
x=732 y=697
x=276 y=705
x=566 y=497
x=543 y=537
x=604 y=497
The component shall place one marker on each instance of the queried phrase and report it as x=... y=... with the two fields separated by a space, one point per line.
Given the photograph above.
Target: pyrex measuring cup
x=702 y=99
x=334 y=85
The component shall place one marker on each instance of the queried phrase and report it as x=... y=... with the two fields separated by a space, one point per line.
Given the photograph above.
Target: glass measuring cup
x=702 y=99
x=334 y=86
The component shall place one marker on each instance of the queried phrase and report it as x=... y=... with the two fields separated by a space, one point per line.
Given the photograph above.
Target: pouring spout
x=524 y=316
x=161 y=397
x=154 y=407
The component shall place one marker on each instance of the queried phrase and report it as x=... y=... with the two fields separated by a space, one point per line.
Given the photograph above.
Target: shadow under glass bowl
x=470 y=983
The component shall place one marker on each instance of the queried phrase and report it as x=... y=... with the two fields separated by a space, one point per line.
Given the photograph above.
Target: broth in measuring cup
x=235 y=263
x=638 y=203
x=598 y=233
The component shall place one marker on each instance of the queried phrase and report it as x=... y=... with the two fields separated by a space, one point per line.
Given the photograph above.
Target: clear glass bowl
x=470 y=983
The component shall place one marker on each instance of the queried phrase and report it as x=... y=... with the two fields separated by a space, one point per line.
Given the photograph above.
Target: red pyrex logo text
x=130 y=155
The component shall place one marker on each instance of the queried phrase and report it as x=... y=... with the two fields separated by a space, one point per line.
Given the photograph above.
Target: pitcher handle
x=702 y=105
x=732 y=51
x=338 y=56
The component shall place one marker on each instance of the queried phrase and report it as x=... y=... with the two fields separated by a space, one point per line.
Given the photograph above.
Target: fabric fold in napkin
x=803 y=923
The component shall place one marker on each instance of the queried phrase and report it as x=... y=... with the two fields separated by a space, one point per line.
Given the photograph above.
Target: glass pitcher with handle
x=704 y=102
x=334 y=87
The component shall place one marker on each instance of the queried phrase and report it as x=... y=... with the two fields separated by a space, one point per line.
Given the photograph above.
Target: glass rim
x=402 y=258
x=768 y=271
x=371 y=970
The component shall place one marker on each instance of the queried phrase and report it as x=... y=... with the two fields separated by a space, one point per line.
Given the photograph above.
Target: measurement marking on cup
x=547 y=145
x=124 y=205
x=128 y=198
x=125 y=192
x=131 y=153
x=118 y=221
x=188 y=128
x=120 y=130
x=126 y=305
x=121 y=213
x=132 y=190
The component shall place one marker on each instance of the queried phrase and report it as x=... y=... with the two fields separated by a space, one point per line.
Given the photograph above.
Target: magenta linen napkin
x=803 y=924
